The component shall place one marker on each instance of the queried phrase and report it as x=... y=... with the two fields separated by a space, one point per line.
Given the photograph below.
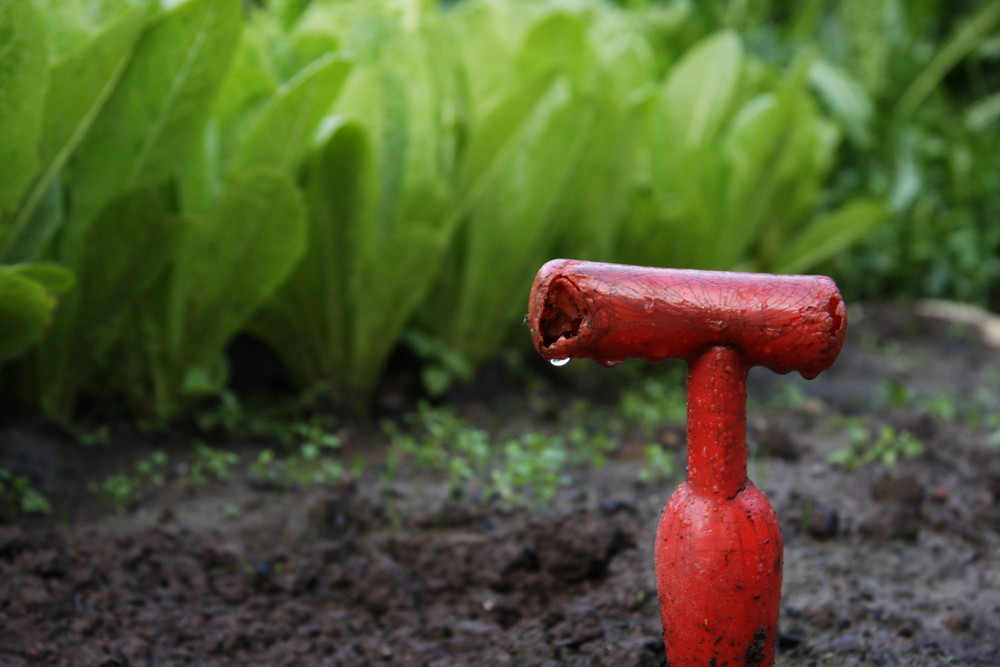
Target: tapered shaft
x=717 y=418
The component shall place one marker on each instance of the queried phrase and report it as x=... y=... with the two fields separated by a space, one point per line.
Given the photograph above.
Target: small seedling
x=528 y=468
x=210 y=465
x=890 y=447
x=311 y=463
x=122 y=490
x=18 y=498
x=531 y=468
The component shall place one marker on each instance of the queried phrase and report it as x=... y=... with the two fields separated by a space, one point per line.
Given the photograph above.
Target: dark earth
x=884 y=564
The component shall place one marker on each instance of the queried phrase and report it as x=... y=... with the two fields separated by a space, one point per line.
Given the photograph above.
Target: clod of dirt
x=577 y=548
x=895 y=522
x=775 y=441
x=903 y=489
x=823 y=522
x=958 y=622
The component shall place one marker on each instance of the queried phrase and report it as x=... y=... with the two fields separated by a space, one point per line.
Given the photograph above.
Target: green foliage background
x=338 y=177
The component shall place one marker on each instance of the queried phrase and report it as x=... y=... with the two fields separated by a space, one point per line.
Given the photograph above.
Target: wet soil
x=884 y=564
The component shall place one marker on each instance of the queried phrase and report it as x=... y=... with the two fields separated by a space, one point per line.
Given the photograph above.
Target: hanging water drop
x=559 y=362
x=610 y=363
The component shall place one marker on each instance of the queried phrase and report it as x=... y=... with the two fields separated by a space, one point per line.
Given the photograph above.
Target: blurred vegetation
x=340 y=177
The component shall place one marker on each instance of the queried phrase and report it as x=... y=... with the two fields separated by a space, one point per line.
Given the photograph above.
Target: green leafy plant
x=310 y=464
x=172 y=251
x=546 y=158
x=934 y=109
x=129 y=96
x=328 y=176
x=18 y=498
x=28 y=289
x=377 y=186
x=735 y=167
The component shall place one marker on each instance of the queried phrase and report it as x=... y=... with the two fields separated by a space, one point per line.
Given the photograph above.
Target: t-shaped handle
x=611 y=312
x=718 y=547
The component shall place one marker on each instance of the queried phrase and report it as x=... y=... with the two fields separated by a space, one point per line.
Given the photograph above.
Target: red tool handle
x=612 y=312
x=718 y=546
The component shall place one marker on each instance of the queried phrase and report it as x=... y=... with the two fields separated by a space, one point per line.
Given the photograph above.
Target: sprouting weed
x=18 y=498
x=122 y=490
x=529 y=468
x=311 y=463
x=210 y=465
x=890 y=447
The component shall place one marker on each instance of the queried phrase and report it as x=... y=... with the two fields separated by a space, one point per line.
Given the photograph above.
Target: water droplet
x=609 y=363
x=559 y=362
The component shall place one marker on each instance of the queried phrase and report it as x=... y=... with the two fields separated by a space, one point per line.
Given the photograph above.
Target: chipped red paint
x=718 y=548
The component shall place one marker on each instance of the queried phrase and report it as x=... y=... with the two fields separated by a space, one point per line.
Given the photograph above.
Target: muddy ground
x=884 y=565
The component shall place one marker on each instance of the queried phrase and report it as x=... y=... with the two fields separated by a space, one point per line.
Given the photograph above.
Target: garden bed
x=887 y=562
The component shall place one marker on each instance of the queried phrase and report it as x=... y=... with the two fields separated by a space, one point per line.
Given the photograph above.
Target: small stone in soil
x=823 y=522
x=958 y=622
x=847 y=643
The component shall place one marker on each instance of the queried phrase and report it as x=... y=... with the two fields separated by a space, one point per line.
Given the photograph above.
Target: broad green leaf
x=26 y=307
x=308 y=321
x=122 y=256
x=23 y=83
x=80 y=83
x=55 y=278
x=701 y=89
x=124 y=253
x=984 y=112
x=513 y=225
x=831 y=234
x=389 y=287
x=71 y=23
x=846 y=98
x=596 y=198
x=250 y=82
x=147 y=128
x=778 y=152
x=556 y=42
x=231 y=262
x=496 y=135
x=286 y=127
x=29 y=237
x=487 y=41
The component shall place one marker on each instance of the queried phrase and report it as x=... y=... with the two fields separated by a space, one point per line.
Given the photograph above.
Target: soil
x=884 y=564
